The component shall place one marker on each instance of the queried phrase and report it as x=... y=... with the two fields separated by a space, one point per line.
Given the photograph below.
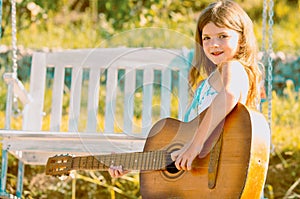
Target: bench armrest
x=18 y=88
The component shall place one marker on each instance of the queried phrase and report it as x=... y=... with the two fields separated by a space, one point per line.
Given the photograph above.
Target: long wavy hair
x=228 y=14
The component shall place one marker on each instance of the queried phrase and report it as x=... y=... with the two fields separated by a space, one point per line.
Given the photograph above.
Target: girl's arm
x=232 y=86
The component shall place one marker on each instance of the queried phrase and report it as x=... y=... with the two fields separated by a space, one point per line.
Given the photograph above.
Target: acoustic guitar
x=233 y=167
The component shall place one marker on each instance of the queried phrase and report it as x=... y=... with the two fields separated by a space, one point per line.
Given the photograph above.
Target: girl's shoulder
x=232 y=67
x=232 y=63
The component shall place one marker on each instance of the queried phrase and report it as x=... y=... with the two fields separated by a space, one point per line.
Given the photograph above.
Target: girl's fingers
x=116 y=171
x=189 y=165
x=174 y=155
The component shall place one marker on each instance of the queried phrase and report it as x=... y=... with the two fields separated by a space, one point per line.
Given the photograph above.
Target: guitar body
x=242 y=165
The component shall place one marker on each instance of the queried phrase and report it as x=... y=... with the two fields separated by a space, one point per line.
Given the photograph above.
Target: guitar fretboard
x=152 y=160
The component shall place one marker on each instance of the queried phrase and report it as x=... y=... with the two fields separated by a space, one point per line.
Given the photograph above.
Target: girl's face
x=219 y=44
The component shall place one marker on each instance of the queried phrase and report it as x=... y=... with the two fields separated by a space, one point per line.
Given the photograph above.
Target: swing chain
x=270 y=67
x=15 y=108
x=14 y=37
x=268 y=51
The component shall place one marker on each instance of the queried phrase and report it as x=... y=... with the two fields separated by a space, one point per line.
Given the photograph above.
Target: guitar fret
x=129 y=163
x=104 y=162
x=75 y=163
x=138 y=161
x=142 y=162
x=101 y=162
x=160 y=159
x=136 y=157
x=153 y=160
x=135 y=161
x=147 y=161
x=79 y=162
x=89 y=164
x=95 y=163
x=111 y=162
x=164 y=160
x=125 y=166
x=156 y=159
x=150 y=161
x=119 y=158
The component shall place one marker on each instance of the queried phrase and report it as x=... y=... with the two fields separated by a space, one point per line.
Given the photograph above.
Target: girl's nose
x=214 y=42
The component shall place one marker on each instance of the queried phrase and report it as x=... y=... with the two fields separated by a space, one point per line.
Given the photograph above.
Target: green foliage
x=286 y=119
x=85 y=23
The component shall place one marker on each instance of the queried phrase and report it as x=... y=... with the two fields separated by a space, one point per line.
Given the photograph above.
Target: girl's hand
x=184 y=157
x=117 y=171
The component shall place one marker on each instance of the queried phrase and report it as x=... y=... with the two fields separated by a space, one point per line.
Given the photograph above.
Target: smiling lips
x=217 y=53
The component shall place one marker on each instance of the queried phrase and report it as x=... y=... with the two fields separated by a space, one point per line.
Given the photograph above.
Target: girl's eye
x=205 y=38
x=223 y=36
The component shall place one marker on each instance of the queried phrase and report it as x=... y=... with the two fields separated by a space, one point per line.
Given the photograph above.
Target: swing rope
x=267 y=52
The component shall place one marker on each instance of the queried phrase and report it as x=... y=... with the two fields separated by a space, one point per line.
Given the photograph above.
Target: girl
x=226 y=53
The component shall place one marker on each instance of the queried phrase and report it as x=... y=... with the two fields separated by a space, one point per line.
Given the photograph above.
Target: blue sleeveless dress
x=203 y=97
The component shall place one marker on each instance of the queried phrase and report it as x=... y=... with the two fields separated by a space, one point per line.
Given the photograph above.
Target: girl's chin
x=217 y=61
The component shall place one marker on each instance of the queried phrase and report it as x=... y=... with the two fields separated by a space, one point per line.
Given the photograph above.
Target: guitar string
x=153 y=158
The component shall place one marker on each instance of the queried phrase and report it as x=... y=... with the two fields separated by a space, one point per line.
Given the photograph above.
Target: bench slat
x=37 y=91
x=93 y=93
x=129 y=92
x=75 y=99
x=57 y=98
x=110 y=101
x=166 y=92
x=183 y=90
x=148 y=78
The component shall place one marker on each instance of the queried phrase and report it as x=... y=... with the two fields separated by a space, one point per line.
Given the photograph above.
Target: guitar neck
x=152 y=160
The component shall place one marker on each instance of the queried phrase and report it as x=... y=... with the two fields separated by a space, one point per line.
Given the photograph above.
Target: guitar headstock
x=59 y=165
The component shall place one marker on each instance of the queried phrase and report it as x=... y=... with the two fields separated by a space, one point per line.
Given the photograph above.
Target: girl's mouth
x=216 y=53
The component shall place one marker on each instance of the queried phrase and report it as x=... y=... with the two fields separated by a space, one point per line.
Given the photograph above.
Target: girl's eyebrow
x=219 y=33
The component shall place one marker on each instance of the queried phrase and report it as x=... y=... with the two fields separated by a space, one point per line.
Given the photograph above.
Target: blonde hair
x=226 y=13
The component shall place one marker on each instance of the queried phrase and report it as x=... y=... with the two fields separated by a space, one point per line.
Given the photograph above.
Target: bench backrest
x=107 y=90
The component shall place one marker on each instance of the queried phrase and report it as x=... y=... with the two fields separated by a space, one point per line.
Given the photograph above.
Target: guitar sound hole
x=171 y=168
x=171 y=172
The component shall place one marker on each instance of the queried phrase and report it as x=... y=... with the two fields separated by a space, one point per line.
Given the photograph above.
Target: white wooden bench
x=122 y=83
